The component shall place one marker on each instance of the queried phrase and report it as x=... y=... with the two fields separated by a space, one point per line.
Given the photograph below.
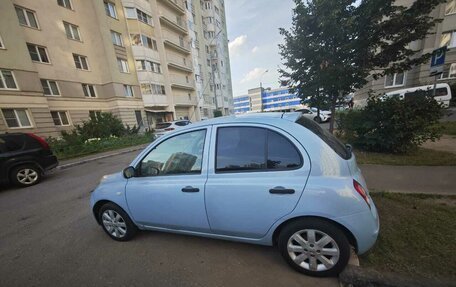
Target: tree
x=334 y=45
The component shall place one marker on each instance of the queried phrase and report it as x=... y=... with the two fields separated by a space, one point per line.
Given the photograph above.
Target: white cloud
x=255 y=49
x=253 y=75
x=237 y=44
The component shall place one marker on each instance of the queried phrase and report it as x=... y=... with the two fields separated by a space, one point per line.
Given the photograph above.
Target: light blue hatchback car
x=271 y=179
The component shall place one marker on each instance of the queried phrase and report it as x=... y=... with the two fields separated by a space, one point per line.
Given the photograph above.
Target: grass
x=422 y=156
x=449 y=128
x=417 y=235
x=64 y=151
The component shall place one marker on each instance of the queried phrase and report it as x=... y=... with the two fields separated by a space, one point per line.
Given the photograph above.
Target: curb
x=76 y=163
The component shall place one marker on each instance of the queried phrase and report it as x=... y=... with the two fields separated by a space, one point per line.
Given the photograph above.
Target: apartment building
x=267 y=100
x=444 y=34
x=64 y=60
x=61 y=61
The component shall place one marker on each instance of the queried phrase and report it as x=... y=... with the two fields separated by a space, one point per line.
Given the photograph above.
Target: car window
x=162 y=126
x=327 y=137
x=181 y=124
x=181 y=154
x=282 y=154
x=254 y=149
x=9 y=143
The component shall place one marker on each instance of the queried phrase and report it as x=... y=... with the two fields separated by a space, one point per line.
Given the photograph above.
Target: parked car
x=326 y=113
x=308 y=113
x=167 y=127
x=442 y=94
x=24 y=159
x=266 y=178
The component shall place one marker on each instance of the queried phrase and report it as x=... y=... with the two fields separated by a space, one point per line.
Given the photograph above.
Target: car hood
x=112 y=177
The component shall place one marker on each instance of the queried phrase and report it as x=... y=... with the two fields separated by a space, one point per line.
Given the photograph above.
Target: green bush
x=103 y=125
x=392 y=125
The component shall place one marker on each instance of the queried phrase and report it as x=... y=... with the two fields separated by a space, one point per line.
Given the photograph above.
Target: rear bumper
x=49 y=162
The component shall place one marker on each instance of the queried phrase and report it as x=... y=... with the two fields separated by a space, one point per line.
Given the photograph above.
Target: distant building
x=267 y=100
x=444 y=34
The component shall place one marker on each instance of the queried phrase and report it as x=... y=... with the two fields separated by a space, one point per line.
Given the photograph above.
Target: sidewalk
x=411 y=179
x=80 y=160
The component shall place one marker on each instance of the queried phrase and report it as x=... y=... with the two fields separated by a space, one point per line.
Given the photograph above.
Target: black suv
x=24 y=158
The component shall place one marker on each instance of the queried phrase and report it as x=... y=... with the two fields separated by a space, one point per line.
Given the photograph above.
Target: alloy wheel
x=27 y=176
x=313 y=250
x=114 y=223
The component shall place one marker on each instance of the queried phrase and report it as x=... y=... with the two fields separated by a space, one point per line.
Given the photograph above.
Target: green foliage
x=453 y=93
x=334 y=45
x=103 y=125
x=217 y=114
x=449 y=128
x=392 y=125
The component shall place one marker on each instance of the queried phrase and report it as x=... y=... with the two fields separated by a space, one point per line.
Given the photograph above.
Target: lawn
x=66 y=151
x=420 y=157
x=417 y=235
x=449 y=128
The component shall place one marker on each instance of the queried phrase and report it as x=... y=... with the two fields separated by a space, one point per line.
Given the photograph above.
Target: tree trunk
x=333 y=112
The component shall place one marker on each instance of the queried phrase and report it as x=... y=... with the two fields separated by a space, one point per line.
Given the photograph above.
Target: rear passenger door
x=256 y=176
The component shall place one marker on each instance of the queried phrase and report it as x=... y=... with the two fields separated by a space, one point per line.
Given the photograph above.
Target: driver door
x=168 y=191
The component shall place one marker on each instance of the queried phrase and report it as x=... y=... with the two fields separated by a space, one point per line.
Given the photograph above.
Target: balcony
x=178 y=23
x=185 y=101
x=177 y=5
x=155 y=100
x=181 y=82
x=177 y=42
x=180 y=63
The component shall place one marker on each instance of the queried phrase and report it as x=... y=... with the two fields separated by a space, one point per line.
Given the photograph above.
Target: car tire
x=116 y=222
x=306 y=255
x=317 y=119
x=25 y=175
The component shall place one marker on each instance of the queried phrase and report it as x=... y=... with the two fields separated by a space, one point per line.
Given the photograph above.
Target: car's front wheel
x=116 y=222
x=318 y=120
x=25 y=175
x=314 y=247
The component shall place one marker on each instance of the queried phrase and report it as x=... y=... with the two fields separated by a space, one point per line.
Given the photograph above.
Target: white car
x=167 y=127
x=442 y=93
x=308 y=113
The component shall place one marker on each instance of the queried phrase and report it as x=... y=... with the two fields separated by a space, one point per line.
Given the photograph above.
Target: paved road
x=49 y=238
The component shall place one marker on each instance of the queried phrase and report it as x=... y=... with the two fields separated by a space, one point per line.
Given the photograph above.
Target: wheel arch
x=98 y=205
x=351 y=238
x=15 y=164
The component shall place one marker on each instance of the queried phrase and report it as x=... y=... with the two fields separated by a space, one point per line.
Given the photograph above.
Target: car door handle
x=281 y=190
x=190 y=189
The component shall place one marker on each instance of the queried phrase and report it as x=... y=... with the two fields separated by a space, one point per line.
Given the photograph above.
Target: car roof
x=251 y=118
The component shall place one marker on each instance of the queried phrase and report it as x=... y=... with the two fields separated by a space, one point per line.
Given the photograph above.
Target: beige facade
x=443 y=34
x=62 y=60
x=56 y=35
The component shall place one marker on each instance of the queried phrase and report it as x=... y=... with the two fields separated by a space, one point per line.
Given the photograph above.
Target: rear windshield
x=162 y=126
x=181 y=124
x=326 y=136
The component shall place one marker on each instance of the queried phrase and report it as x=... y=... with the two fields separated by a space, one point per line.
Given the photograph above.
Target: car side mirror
x=129 y=172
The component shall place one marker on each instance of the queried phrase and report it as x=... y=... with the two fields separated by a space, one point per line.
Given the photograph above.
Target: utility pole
x=261 y=89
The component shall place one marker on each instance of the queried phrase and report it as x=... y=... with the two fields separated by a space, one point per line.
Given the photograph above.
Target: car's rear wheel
x=116 y=222
x=25 y=175
x=314 y=247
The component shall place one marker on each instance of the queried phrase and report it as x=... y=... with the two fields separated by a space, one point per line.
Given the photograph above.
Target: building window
x=17 y=118
x=26 y=17
x=95 y=114
x=7 y=80
x=116 y=38
x=148 y=42
x=395 y=80
x=50 y=88
x=448 y=39
x=89 y=91
x=2 y=46
x=449 y=72
x=72 y=31
x=450 y=7
x=148 y=89
x=123 y=65
x=128 y=91
x=134 y=13
x=38 y=53
x=144 y=65
x=60 y=118
x=81 y=62
x=207 y=5
x=65 y=4
x=110 y=9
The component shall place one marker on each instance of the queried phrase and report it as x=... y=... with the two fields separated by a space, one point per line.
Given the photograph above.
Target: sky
x=253 y=33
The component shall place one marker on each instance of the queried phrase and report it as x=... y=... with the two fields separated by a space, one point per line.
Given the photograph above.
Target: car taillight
x=362 y=192
x=42 y=142
x=169 y=129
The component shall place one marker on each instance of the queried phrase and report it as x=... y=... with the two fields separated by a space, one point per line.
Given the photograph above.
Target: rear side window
x=254 y=149
x=9 y=143
x=162 y=126
x=326 y=136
